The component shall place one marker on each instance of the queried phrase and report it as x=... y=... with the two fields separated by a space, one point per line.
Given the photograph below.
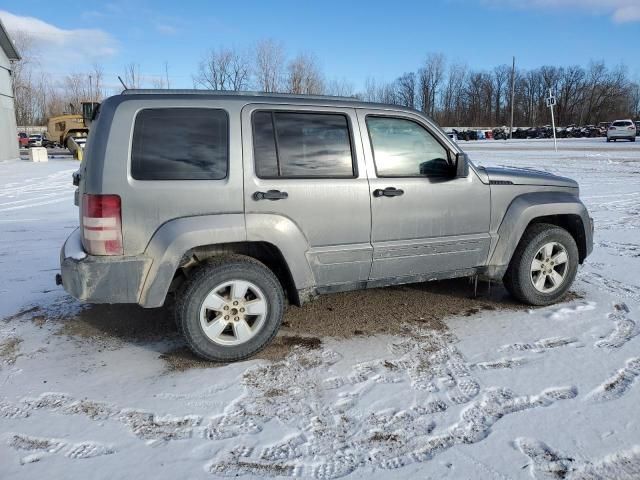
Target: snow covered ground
x=495 y=393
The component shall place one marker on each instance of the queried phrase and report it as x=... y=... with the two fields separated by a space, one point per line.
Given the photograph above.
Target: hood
x=526 y=176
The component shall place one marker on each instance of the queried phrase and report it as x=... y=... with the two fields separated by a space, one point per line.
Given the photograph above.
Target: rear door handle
x=270 y=195
x=388 y=192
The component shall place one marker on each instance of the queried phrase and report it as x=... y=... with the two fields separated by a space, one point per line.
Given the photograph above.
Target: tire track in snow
x=37 y=192
x=610 y=285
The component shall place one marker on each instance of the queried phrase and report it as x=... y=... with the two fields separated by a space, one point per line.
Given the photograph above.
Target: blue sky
x=351 y=39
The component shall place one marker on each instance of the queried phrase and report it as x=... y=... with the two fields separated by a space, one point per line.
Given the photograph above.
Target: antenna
x=123 y=84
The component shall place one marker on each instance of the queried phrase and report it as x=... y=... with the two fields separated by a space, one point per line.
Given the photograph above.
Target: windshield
x=622 y=124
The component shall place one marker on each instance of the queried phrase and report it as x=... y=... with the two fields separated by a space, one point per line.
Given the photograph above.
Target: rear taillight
x=612 y=128
x=101 y=224
x=631 y=128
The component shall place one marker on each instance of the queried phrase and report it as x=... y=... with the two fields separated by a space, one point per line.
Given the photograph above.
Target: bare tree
x=132 y=77
x=430 y=77
x=406 y=90
x=453 y=99
x=269 y=65
x=304 y=76
x=340 y=88
x=634 y=99
x=97 y=78
x=223 y=69
x=501 y=77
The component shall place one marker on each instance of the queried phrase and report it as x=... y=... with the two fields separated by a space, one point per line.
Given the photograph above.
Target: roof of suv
x=270 y=98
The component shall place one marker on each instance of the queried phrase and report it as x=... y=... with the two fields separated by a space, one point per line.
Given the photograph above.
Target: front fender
x=176 y=237
x=526 y=208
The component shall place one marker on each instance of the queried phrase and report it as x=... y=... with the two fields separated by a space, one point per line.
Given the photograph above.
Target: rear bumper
x=101 y=279
x=622 y=134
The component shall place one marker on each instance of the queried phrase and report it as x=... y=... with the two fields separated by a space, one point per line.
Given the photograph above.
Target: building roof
x=7 y=45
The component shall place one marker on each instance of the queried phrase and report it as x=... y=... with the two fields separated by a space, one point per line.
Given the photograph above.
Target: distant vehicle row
x=35 y=140
x=619 y=129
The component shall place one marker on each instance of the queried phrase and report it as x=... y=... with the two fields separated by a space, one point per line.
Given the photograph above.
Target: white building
x=8 y=129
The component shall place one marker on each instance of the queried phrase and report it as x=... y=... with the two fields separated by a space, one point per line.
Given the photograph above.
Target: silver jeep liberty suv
x=237 y=203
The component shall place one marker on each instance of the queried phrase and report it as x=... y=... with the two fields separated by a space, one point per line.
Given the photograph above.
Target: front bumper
x=101 y=279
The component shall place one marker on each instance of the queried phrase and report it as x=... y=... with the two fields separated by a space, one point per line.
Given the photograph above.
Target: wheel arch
x=558 y=208
x=183 y=243
x=572 y=223
x=264 y=252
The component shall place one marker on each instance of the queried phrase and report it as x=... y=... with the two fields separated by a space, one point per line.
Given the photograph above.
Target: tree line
x=451 y=93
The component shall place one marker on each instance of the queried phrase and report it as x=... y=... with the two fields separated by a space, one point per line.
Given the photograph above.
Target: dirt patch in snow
x=128 y=323
x=9 y=349
x=391 y=310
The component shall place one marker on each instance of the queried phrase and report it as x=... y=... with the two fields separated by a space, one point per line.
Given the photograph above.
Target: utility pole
x=166 y=73
x=513 y=92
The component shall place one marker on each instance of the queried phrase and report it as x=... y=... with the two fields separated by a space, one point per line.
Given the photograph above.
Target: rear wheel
x=543 y=266
x=230 y=309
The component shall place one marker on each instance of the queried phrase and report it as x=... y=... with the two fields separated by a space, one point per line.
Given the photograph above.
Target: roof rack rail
x=152 y=91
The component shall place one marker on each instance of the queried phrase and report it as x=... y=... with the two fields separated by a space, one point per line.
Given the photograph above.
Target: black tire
x=633 y=139
x=222 y=269
x=608 y=140
x=518 y=280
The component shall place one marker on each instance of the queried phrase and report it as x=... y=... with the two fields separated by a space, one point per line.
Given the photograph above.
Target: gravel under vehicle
x=240 y=203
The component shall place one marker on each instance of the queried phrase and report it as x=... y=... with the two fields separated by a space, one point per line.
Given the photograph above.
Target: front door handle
x=388 y=192
x=270 y=195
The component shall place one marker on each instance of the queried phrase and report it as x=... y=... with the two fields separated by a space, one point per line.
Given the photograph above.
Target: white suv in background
x=622 y=129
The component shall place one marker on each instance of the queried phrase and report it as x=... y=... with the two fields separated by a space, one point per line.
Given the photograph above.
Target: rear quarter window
x=180 y=144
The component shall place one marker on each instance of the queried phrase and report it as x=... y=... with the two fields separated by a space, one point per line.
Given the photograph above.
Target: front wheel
x=230 y=308
x=543 y=266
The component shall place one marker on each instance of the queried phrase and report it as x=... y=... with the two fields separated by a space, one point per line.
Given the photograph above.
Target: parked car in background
x=622 y=129
x=23 y=140
x=35 y=140
x=638 y=129
x=406 y=205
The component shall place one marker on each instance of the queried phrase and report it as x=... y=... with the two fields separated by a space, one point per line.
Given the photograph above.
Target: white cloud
x=621 y=11
x=52 y=45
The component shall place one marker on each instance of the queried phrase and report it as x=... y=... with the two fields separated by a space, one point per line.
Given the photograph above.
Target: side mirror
x=462 y=165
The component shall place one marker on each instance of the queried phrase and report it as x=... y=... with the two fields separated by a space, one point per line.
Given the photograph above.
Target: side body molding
x=284 y=234
x=522 y=210
x=176 y=237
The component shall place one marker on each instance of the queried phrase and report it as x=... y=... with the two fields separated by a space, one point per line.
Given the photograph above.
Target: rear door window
x=180 y=144
x=302 y=144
